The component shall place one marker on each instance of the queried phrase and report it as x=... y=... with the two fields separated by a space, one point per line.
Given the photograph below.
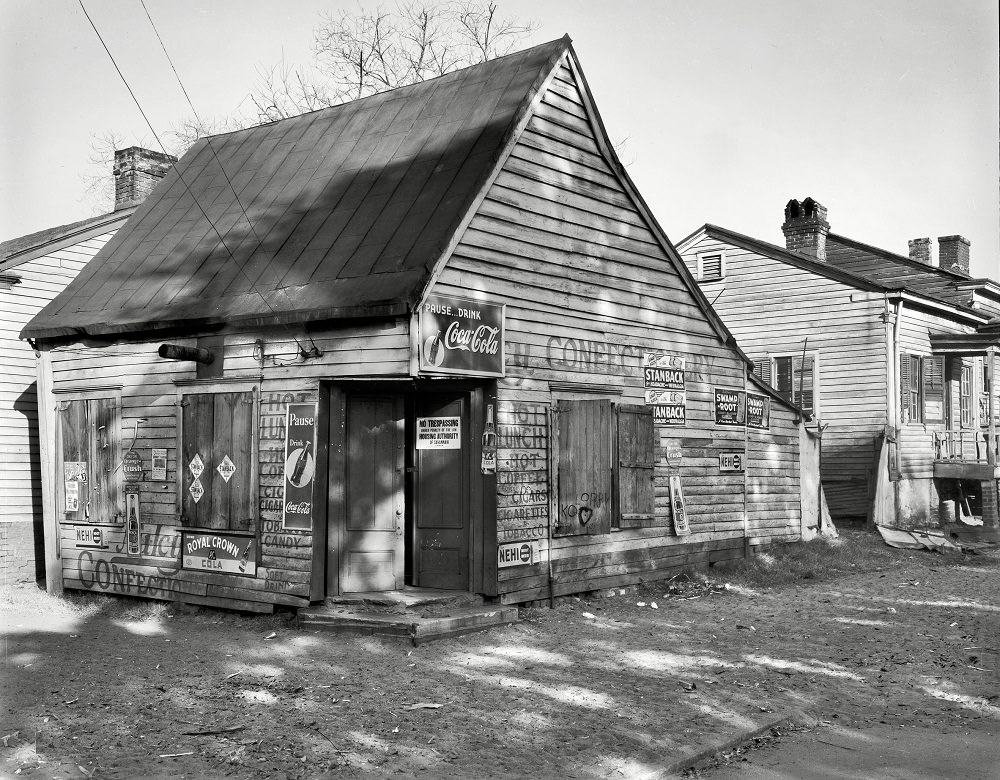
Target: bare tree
x=360 y=54
x=355 y=54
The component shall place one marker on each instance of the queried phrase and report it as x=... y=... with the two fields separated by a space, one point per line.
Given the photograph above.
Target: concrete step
x=422 y=625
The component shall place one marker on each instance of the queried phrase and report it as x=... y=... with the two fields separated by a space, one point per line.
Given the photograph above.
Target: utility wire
x=187 y=187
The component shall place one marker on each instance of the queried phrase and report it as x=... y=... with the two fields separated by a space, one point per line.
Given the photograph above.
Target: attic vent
x=709 y=267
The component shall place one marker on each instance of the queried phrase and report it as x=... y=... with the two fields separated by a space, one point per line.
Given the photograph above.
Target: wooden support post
x=48 y=446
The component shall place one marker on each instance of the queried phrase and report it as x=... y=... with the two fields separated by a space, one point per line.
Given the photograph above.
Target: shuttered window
x=217 y=463
x=91 y=460
x=933 y=385
x=584 y=467
x=795 y=381
x=636 y=459
x=605 y=460
x=922 y=388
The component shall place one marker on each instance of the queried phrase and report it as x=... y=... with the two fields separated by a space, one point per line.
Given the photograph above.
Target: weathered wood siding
x=150 y=390
x=20 y=471
x=588 y=289
x=774 y=496
x=773 y=308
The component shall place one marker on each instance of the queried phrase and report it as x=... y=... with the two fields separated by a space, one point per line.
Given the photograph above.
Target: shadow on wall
x=27 y=404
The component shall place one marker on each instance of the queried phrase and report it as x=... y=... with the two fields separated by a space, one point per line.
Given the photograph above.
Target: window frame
x=219 y=388
x=771 y=361
x=966 y=382
x=914 y=396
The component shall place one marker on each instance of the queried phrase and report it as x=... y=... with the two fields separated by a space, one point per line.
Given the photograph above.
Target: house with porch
x=432 y=339
x=894 y=356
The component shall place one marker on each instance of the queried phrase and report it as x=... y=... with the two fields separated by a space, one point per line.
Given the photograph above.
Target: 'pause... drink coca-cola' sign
x=460 y=336
x=300 y=466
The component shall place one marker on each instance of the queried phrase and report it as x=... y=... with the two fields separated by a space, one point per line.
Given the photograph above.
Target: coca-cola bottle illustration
x=245 y=558
x=300 y=465
x=489 y=443
x=133 y=530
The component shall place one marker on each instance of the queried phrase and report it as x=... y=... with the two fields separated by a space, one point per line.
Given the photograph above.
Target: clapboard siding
x=774 y=308
x=588 y=288
x=42 y=278
x=151 y=389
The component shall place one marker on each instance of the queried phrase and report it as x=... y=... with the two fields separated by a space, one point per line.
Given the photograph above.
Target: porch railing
x=966 y=445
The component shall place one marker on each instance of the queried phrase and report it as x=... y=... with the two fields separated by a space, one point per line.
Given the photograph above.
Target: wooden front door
x=441 y=511
x=373 y=544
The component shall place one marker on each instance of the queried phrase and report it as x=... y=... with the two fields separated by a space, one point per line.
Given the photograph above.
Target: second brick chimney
x=953 y=253
x=806 y=228
x=136 y=172
x=920 y=251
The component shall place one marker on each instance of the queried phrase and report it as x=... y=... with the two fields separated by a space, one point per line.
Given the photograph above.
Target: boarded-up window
x=91 y=460
x=584 y=467
x=795 y=381
x=217 y=460
x=933 y=388
x=636 y=459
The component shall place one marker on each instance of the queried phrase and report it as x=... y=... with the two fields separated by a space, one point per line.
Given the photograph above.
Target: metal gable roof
x=339 y=212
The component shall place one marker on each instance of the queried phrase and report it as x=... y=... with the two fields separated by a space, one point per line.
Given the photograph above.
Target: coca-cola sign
x=460 y=336
x=300 y=467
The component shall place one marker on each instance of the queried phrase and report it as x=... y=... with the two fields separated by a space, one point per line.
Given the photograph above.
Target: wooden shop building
x=432 y=338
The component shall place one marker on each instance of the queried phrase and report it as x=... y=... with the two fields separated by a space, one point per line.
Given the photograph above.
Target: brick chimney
x=136 y=172
x=920 y=251
x=806 y=228
x=953 y=253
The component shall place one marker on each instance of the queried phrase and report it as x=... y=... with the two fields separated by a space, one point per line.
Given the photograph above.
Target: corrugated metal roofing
x=350 y=207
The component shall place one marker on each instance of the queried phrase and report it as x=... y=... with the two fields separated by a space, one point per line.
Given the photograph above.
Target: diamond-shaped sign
x=227 y=468
x=197 y=466
x=196 y=490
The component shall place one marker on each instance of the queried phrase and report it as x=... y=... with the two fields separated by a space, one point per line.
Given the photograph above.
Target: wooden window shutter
x=584 y=468
x=91 y=435
x=906 y=405
x=933 y=388
x=783 y=377
x=636 y=461
x=762 y=369
x=805 y=392
x=216 y=426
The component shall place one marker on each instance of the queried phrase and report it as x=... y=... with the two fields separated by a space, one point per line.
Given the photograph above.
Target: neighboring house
x=33 y=270
x=436 y=341
x=878 y=347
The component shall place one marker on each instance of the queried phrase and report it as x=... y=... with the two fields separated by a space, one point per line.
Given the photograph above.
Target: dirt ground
x=618 y=686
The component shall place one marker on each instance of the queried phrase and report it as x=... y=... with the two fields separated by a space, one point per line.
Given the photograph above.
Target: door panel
x=373 y=551
x=441 y=502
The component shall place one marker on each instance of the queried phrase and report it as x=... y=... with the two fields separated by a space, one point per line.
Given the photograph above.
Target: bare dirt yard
x=848 y=632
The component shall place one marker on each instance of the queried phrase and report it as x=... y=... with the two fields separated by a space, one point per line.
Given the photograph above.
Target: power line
x=187 y=187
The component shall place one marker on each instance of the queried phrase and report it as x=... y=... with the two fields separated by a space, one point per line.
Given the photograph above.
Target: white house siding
x=772 y=308
x=42 y=278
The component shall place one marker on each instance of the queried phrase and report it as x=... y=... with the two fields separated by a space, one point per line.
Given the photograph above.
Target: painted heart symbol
x=585 y=514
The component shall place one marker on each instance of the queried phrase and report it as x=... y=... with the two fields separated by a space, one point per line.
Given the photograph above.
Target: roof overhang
x=965 y=343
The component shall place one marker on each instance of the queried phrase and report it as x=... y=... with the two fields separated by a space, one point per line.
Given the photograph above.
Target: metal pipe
x=177 y=352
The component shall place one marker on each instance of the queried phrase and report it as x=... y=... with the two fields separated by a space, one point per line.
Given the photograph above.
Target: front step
x=422 y=616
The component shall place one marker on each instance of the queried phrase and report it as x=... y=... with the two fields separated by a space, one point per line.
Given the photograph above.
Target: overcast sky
x=884 y=111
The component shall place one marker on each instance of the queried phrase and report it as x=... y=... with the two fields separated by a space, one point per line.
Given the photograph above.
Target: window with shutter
x=217 y=463
x=965 y=396
x=91 y=458
x=933 y=384
x=636 y=461
x=795 y=380
x=909 y=388
x=584 y=467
